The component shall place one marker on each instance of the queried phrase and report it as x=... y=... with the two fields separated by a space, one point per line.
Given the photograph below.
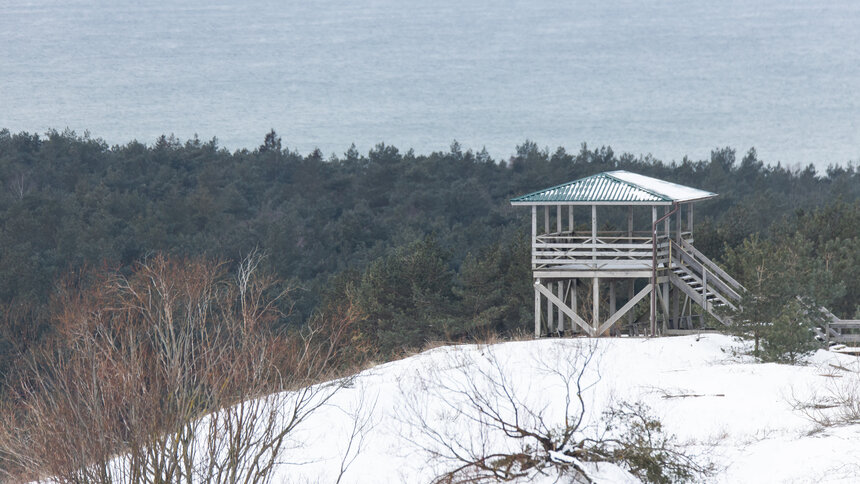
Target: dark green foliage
x=67 y=201
x=406 y=298
x=786 y=283
x=790 y=335
x=496 y=286
x=646 y=450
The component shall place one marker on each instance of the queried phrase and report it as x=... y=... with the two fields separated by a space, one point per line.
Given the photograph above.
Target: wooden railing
x=565 y=248
x=840 y=330
x=713 y=279
x=717 y=270
x=835 y=331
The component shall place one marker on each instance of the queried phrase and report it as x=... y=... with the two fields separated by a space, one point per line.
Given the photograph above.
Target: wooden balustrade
x=560 y=249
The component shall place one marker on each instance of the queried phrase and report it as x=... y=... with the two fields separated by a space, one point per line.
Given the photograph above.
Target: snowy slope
x=741 y=413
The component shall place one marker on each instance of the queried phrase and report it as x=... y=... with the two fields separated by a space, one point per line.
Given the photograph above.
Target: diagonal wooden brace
x=627 y=307
x=570 y=312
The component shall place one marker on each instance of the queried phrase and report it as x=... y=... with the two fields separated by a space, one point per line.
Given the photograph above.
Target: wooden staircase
x=715 y=291
x=703 y=281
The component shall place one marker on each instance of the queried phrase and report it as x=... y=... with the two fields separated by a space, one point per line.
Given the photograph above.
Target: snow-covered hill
x=737 y=412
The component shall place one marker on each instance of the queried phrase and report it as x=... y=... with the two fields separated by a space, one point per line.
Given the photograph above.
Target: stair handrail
x=714 y=267
x=690 y=261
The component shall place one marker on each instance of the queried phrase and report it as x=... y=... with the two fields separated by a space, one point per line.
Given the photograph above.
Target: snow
x=741 y=415
x=678 y=193
x=735 y=411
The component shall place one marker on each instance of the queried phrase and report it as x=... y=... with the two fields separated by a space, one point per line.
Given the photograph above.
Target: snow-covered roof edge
x=614 y=188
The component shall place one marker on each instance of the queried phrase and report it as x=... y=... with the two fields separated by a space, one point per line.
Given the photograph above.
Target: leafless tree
x=172 y=374
x=18 y=185
x=482 y=425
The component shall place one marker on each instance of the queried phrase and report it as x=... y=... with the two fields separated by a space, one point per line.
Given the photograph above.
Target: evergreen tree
x=786 y=287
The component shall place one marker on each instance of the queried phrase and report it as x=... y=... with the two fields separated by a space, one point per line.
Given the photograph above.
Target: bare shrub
x=838 y=403
x=636 y=438
x=522 y=430
x=171 y=374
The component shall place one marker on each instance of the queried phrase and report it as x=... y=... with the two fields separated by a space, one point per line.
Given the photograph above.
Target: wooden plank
x=714 y=286
x=602 y=239
x=554 y=300
x=711 y=265
x=627 y=307
x=588 y=245
x=537 y=310
x=695 y=296
x=590 y=265
x=593 y=252
x=686 y=332
x=590 y=272
x=846 y=338
x=587 y=274
x=722 y=287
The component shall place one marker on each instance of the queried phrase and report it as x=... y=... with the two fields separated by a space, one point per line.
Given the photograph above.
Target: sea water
x=672 y=78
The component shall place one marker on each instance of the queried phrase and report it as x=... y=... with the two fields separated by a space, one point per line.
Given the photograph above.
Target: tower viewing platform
x=644 y=248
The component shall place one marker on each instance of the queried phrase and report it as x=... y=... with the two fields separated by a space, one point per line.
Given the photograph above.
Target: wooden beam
x=595 y=311
x=630 y=292
x=594 y=241
x=570 y=218
x=667 y=224
x=546 y=219
x=676 y=305
x=624 y=309
x=549 y=312
x=560 y=292
x=589 y=273
x=630 y=221
x=653 y=308
x=537 y=309
x=558 y=218
x=554 y=300
x=690 y=219
x=611 y=298
x=664 y=303
x=665 y=306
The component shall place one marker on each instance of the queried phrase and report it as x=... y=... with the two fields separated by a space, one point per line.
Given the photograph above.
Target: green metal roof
x=615 y=187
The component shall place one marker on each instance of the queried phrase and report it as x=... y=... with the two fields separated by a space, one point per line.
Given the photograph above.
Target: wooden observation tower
x=578 y=272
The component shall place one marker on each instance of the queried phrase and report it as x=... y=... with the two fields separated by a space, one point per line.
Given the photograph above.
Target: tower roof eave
x=614 y=188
